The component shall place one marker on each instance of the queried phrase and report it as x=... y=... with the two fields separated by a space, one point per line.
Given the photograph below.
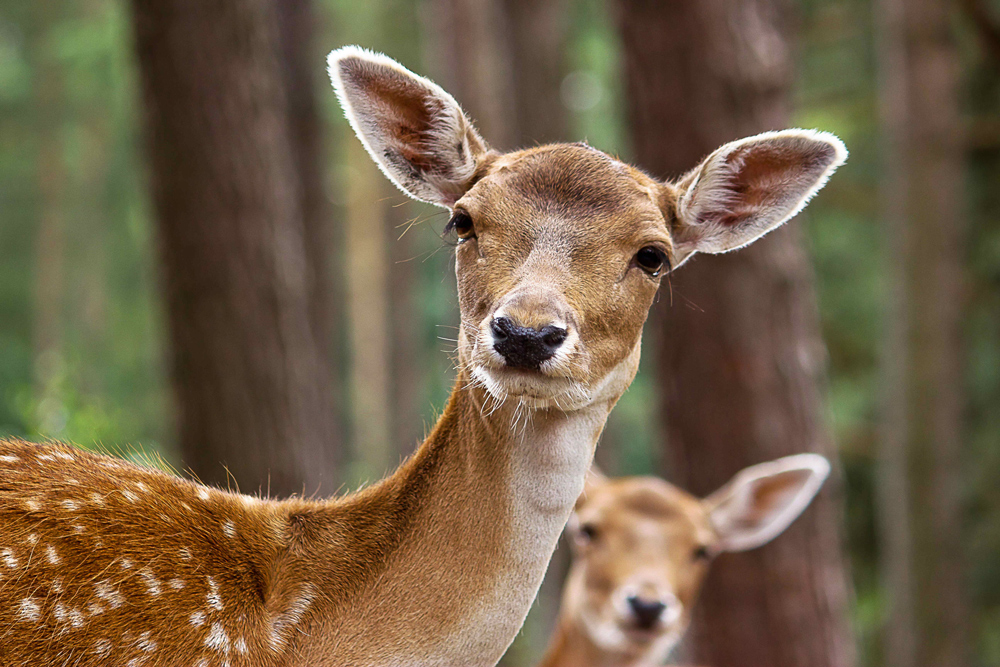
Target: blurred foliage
x=95 y=371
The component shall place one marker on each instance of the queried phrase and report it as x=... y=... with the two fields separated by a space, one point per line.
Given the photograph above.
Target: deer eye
x=588 y=532
x=701 y=553
x=651 y=260
x=461 y=224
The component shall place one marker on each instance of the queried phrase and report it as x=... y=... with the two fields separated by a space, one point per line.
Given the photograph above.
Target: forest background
x=162 y=162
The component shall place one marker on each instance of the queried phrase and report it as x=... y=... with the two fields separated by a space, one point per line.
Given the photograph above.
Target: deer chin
x=620 y=637
x=532 y=389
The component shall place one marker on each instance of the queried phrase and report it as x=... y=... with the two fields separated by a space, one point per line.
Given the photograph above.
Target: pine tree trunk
x=920 y=495
x=740 y=358
x=251 y=379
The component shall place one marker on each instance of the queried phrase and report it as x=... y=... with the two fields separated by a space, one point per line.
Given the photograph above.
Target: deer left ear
x=415 y=131
x=748 y=187
x=761 y=501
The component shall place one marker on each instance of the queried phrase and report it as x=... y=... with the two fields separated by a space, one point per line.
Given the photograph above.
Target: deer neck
x=571 y=646
x=458 y=539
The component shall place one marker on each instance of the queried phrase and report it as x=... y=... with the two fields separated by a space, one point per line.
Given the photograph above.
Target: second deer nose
x=646 y=612
x=525 y=347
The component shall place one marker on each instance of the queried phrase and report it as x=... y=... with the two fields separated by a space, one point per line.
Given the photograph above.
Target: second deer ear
x=761 y=501
x=748 y=187
x=412 y=128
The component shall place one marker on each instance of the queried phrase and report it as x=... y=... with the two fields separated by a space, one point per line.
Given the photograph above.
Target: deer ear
x=415 y=131
x=761 y=501
x=751 y=186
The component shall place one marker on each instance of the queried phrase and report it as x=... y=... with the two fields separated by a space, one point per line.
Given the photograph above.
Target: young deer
x=641 y=550
x=560 y=252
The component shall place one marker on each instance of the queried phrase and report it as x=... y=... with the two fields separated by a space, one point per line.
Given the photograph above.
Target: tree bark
x=920 y=499
x=251 y=379
x=740 y=361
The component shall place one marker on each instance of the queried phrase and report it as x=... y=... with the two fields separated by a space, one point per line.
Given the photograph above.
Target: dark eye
x=461 y=224
x=651 y=260
x=701 y=553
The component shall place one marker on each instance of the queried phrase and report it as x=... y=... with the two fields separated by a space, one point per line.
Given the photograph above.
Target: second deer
x=642 y=548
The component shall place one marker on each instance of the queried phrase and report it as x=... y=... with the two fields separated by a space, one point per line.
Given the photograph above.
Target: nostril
x=646 y=612
x=553 y=336
x=501 y=328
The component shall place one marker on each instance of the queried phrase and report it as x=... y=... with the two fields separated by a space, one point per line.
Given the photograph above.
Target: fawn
x=560 y=251
x=641 y=550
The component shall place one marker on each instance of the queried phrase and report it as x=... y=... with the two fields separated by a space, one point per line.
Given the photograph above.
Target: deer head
x=561 y=248
x=642 y=548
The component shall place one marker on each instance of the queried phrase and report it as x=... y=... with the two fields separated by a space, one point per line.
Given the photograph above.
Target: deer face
x=642 y=548
x=561 y=248
x=562 y=251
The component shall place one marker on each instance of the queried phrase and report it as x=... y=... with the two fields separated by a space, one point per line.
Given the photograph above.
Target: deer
x=559 y=251
x=641 y=548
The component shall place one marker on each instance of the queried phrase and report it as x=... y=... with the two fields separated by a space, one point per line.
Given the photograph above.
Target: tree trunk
x=740 y=361
x=922 y=419
x=252 y=381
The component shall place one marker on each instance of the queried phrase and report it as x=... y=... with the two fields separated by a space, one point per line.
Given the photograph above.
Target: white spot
x=152 y=583
x=95 y=609
x=284 y=622
x=177 y=584
x=241 y=646
x=109 y=594
x=248 y=500
x=213 y=598
x=51 y=555
x=72 y=480
x=7 y=458
x=33 y=538
x=8 y=558
x=185 y=553
x=45 y=457
x=218 y=639
x=57 y=585
x=202 y=662
x=97 y=498
x=126 y=564
x=198 y=619
x=203 y=494
x=102 y=647
x=142 y=487
x=70 y=505
x=28 y=610
x=78 y=529
x=129 y=496
x=229 y=528
x=32 y=505
x=63 y=455
x=76 y=618
x=145 y=643
x=59 y=612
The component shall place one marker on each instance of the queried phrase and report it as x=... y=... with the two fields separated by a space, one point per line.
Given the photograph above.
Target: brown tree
x=920 y=484
x=252 y=381
x=741 y=361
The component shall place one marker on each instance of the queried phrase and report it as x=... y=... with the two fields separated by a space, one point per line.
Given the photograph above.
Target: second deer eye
x=461 y=224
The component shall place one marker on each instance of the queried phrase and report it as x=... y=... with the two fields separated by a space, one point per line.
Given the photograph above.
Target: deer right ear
x=763 y=500
x=748 y=187
x=415 y=131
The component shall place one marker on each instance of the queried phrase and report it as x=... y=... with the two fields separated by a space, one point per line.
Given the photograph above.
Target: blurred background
x=197 y=258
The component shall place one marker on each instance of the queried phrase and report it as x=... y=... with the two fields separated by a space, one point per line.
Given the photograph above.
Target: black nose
x=525 y=347
x=646 y=612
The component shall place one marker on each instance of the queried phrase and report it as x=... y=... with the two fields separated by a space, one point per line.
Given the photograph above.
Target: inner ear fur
x=416 y=132
x=749 y=187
